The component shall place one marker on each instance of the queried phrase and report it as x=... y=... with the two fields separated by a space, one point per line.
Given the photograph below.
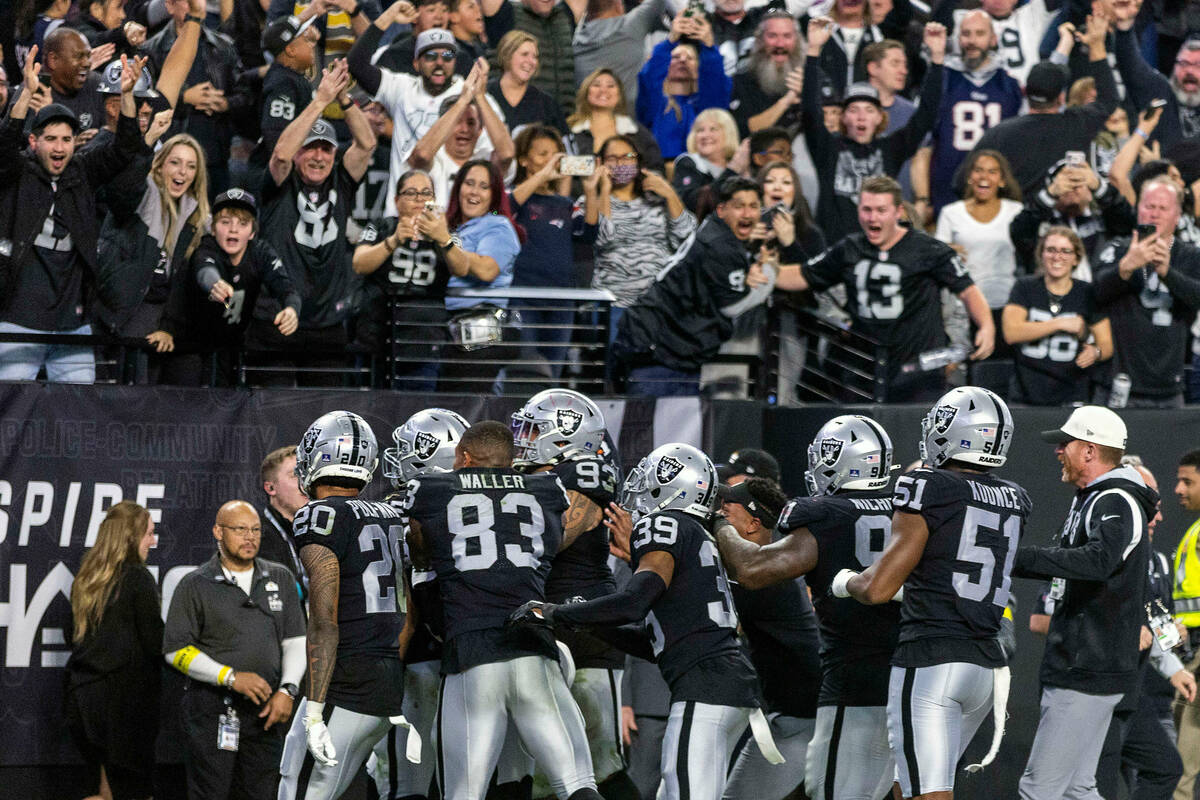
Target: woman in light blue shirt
x=484 y=244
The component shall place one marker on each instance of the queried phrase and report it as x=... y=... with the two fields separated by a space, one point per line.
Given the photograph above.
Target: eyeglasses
x=243 y=531
x=445 y=56
x=1179 y=62
x=617 y=159
x=1058 y=251
x=422 y=194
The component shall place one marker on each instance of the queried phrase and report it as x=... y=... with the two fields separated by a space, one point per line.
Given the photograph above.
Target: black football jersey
x=491 y=533
x=955 y=596
x=893 y=296
x=1045 y=369
x=695 y=619
x=851 y=529
x=414 y=269
x=582 y=569
x=367 y=538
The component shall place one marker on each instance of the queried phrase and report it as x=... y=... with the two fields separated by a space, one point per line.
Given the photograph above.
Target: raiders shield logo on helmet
x=943 y=417
x=310 y=439
x=426 y=445
x=568 y=420
x=668 y=468
x=831 y=450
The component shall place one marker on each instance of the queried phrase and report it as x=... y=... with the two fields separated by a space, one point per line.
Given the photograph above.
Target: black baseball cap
x=282 y=32
x=749 y=461
x=861 y=91
x=1046 y=82
x=235 y=198
x=55 y=112
x=758 y=504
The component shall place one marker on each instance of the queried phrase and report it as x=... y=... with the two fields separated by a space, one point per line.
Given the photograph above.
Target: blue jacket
x=712 y=91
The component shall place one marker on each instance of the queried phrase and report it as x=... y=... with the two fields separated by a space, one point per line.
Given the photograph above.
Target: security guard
x=1187 y=608
x=236 y=629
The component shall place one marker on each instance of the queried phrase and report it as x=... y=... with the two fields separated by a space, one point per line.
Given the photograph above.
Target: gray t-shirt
x=618 y=43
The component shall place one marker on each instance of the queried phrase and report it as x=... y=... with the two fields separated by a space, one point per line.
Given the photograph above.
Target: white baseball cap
x=1095 y=424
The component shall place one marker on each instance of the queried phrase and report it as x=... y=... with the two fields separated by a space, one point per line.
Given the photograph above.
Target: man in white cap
x=1098 y=575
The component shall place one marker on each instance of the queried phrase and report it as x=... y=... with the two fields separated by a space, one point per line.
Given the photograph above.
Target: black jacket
x=684 y=318
x=1103 y=558
x=26 y=194
x=1111 y=216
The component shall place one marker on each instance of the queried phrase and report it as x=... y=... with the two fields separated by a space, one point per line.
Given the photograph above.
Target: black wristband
x=346 y=105
x=357 y=10
x=548 y=613
x=194 y=18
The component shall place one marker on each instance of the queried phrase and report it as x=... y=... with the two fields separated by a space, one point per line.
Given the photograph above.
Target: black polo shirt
x=213 y=614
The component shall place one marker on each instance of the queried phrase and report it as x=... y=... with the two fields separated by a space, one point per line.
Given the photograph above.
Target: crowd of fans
x=294 y=180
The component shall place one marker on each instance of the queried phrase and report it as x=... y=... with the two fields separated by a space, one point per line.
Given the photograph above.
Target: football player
x=894 y=277
x=424 y=445
x=955 y=529
x=563 y=432
x=679 y=590
x=357 y=627
x=490 y=532
x=844 y=523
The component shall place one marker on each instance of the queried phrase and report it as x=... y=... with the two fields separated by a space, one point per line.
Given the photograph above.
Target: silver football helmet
x=673 y=476
x=339 y=444
x=424 y=443
x=969 y=424
x=849 y=452
x=557 y=425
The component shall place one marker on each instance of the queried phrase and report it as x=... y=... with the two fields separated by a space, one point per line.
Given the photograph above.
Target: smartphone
x=1075 y=158
x=431 y=206
x=694 y=8
x=44 y=78
x=1146 y=230
x=1158 y=102
x=578 y=166
x=768 y=214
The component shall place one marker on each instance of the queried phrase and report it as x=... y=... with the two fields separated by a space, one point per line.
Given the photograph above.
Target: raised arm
x=359 y=58
x=358 y=156
x=427 y=146
x=179 y=59
x=333 y=83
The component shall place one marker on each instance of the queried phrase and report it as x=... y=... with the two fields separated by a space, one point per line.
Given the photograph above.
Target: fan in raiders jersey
x=357 y=627
x=424 y=445
x=893 y=278
x=406 y=287
x=562 y=432
x=955 y=529
x=490 y=533
x=679 y=597
x=845 y=523
x=306 y=203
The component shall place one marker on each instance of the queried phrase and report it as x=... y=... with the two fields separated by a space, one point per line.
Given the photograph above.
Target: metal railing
x=837 y=365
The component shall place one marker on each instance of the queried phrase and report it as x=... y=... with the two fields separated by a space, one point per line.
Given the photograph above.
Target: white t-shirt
x=244 y=579
x=413 y=112
x=991 y=258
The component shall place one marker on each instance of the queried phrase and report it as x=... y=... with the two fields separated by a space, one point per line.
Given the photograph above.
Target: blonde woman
x=601 y=113
x=147 y=245
x=114 y=669
x=712 y=154
x=521 y=101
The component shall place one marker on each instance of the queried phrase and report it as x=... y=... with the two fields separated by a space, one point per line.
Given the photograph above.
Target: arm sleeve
x=147 y=613
x=1108 y=283
x=1165 y=662
x=1143 y=83
x=359 y=60
x=650 y=79
x=824 y=270
x=904 y=143
x=293 y=660
x=631 y=639
x=1097 y=112
x=1184 y=286
x=812 y=119
x=1119 y=217
x=1114 y=528
x=197 y=665
x=276 y=278
x=629 y=605
x=713 y=85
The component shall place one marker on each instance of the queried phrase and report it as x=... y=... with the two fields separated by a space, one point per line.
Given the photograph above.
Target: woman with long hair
x=640 y=221
x=113 y=673
x=1058 y=332
x=601 y=113
x=713 y=154
x=152 y=241
x=482 y=250
x=977 y=228
x=521 y=101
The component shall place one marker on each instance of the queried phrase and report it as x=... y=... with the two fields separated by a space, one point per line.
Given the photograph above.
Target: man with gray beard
x=1181 y=118
x=768 y=93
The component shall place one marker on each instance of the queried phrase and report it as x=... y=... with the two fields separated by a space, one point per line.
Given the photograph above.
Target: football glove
x=534 y=612
x=320 y=742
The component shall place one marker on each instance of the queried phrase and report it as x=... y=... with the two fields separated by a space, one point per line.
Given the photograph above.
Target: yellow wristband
x=223 y=674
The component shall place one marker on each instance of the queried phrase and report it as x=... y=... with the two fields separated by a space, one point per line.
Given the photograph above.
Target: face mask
x=623 y=174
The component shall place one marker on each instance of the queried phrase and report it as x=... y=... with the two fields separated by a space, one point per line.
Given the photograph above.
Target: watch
x=357 y=10
x=194 y=18
x=453 y=241
x=290 y=689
